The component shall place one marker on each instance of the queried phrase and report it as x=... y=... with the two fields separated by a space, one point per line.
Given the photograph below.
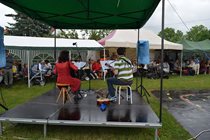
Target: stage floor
x=45 y=110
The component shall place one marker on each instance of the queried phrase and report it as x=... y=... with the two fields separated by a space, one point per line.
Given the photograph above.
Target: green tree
x=172 y=35
x=95 y=34
x=26 y=26
x=198 y=33
x=68 y=34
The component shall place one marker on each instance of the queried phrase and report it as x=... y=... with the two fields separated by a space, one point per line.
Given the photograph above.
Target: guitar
x=109 y=66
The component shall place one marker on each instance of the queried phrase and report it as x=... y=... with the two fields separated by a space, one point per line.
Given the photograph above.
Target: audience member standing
x=197 y=66
x=8 y=74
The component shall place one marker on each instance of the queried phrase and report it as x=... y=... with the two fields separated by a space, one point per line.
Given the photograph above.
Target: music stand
x=143 y=58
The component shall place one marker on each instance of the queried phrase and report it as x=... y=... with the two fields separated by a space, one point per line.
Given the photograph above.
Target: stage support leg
x=1 y=129
x=45 y=130
x=156 y=134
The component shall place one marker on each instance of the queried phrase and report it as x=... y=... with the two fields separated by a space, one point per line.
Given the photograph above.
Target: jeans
x=114 y=81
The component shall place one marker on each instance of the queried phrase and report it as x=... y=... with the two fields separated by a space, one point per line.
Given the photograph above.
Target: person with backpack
x=123 y=73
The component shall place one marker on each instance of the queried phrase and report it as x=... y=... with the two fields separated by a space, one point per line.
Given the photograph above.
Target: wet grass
x=171 y=130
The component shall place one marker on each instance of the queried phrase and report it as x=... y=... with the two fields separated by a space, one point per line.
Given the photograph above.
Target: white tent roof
x=128 y=39
x=41 y=43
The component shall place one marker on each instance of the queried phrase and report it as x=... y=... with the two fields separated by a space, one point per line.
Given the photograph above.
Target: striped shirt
x=124 y=69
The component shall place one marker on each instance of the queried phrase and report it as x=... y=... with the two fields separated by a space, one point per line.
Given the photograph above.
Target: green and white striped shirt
x=124 y=69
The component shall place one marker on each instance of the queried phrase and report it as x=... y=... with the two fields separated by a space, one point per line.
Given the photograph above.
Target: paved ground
x=190 y=108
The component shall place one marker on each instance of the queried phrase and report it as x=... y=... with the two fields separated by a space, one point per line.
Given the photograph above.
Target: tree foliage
x=73 y=34
x=26 y=26
x=95 y=34
x=172 y=35
x=198 y=33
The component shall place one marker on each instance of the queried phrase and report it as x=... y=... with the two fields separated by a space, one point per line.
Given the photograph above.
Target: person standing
x=8 y=74
x=197 y=65
x=123 y=73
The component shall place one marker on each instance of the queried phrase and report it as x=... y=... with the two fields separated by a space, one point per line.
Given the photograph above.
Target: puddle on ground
x=190 y=108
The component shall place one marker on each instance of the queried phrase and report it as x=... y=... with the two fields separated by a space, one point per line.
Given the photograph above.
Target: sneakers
x=113 y=98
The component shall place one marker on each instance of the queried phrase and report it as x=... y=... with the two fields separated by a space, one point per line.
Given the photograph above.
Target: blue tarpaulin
x=2 y=49
x=143 y=52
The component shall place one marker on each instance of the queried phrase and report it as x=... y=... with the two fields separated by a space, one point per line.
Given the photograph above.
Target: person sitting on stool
x=62 y=69
x=123 y=73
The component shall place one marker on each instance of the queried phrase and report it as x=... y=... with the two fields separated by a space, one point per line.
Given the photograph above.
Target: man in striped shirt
x=123 y=73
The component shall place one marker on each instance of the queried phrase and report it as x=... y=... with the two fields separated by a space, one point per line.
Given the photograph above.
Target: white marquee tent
x=18 y=45
x=41 y=43
x=128 y=39
x=28 y=48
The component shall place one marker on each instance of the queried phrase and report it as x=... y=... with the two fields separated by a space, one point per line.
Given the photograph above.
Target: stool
x=63 y=92
x=118 y=91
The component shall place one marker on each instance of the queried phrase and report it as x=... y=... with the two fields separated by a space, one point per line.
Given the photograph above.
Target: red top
x=96 y=66
x=64 y=76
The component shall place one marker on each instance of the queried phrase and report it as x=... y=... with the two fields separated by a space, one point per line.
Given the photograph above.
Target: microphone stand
x=75 y=43
x=89 y=74
x=80 y=59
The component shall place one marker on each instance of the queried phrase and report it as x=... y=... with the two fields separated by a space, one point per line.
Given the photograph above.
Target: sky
x=192 y=12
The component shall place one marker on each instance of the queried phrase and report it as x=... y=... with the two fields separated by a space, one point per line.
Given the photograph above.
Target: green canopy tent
x=87 y=14
x=201 y=48
x=93 y=14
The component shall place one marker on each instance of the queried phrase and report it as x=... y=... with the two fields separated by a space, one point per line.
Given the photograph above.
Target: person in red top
x=62 y=69
x=96 y=68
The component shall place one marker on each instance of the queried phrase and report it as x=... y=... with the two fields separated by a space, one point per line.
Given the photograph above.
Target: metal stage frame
x=45 y=111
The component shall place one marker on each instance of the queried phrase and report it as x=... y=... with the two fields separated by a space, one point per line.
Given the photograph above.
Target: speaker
x=143 y=52
x=2 y=49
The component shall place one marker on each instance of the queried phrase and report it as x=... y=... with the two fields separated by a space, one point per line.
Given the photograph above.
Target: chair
x=118 y=91
x=63 y=92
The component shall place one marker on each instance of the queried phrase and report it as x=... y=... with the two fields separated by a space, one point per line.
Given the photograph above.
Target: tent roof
x=41 y=43
x=128 y=38
x=196 y=46
x=87 y=14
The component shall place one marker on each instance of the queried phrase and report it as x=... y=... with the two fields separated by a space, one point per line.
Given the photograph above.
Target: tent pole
x=181 y=63
x=162 y=51
x=28 y=55
x=55 y=45
x=55 y=51
x=104 y=60
x=137 y=60
x=104 y=53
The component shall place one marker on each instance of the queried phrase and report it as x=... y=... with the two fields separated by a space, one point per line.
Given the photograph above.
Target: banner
x=2 y=49
x=143 y=52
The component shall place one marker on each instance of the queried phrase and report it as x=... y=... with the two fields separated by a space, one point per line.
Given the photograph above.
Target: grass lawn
x=171 y=130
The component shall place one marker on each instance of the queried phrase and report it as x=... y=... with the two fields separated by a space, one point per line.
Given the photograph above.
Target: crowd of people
x=15 y=70
x=93 y=69
x=192 y=66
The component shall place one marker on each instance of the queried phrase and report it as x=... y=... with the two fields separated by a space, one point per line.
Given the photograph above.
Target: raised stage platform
x=44 y=110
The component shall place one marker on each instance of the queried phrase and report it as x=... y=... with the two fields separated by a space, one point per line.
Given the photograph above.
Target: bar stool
x=118 y=91
x=63 y=92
